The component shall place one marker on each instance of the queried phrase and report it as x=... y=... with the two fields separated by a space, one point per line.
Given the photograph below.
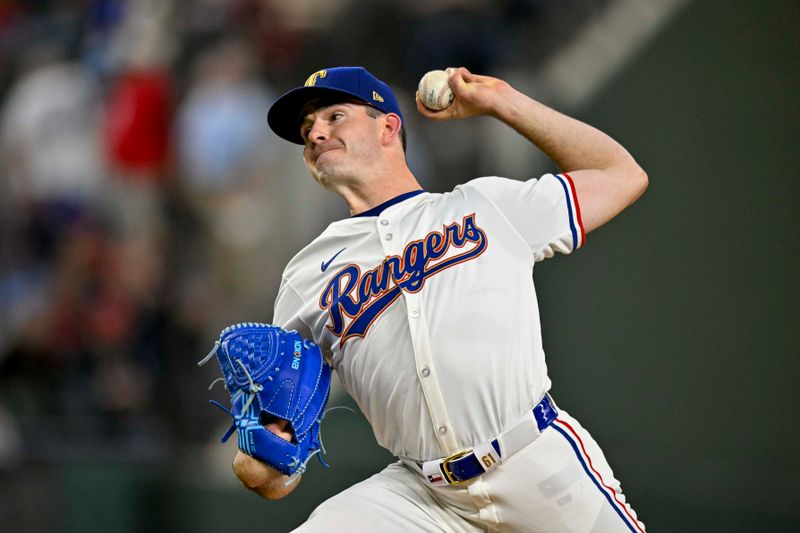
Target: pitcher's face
x=341 y=140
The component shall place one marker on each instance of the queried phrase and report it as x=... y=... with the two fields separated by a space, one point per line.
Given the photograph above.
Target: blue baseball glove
x=273 y=374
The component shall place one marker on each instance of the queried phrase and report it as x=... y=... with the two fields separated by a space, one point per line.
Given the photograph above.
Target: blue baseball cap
x=355 y=82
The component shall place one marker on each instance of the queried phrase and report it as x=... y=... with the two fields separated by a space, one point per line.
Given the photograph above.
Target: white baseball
x=434 y=91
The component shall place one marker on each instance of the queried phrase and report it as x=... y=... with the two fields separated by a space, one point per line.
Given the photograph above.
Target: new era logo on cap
x=348 y=82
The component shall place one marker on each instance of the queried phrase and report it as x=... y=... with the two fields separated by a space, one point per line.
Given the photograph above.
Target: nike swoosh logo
x=326 y=264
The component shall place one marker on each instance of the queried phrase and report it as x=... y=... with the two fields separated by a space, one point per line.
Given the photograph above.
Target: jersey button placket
x=425 y=368
x=383 y=228
x=421 y=343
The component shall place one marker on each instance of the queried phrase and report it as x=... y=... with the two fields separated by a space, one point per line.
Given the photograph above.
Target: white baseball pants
x=561 y=482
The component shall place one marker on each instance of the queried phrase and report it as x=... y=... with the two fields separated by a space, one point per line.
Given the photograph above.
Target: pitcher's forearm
x=570 y=143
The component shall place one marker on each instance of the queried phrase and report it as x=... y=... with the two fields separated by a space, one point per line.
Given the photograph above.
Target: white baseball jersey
x=426 y=307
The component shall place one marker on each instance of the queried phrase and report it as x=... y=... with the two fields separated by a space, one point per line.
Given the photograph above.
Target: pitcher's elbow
x=640 y=180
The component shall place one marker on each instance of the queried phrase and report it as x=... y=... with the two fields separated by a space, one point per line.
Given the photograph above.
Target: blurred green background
x=672 y=336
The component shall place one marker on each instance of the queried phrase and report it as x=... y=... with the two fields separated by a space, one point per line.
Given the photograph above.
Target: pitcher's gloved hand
x=279 y=380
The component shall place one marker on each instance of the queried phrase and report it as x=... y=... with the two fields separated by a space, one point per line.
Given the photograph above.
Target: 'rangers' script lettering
x=364 y=296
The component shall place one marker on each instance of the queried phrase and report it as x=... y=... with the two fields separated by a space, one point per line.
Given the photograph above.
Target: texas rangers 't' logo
x=363 y=297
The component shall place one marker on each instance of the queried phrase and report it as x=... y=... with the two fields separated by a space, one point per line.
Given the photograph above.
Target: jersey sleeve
x=288 y=305
x=545 y=211
x=288 y=315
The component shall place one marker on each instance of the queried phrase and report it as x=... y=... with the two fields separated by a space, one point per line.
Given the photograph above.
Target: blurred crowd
x=144 y=204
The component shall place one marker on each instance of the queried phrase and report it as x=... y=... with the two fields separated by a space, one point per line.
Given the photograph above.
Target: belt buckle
x=446 y=468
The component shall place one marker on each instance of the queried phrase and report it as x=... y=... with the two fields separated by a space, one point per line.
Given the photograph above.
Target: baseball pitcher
x=424 y=306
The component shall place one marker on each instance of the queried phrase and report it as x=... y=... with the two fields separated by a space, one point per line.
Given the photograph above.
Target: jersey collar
x=378 y=209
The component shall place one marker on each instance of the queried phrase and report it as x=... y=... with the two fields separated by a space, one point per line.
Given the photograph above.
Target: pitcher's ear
x=392 y=127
